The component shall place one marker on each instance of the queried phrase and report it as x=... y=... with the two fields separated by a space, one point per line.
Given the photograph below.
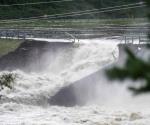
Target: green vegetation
x=7 y=80
x=65 y=7
x=122 y=17
x=8 y=45
x=73 y=23
x=135 y=68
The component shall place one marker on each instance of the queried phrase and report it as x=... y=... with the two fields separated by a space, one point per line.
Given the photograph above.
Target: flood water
x=27 y=103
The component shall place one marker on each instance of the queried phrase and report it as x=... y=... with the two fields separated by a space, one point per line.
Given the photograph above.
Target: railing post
x=6 y=34
x=125 y=39
x=132 y=39
x=18 y=34
x=139 y=39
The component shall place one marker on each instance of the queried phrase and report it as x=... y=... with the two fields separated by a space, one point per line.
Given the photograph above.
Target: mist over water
x=109 y=104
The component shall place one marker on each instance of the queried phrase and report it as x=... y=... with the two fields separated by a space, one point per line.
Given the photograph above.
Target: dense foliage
x=135 y=68
x=7 y=80
x=62 y=7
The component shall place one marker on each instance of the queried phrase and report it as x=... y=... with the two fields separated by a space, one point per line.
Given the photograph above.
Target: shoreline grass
x=73 y=23
x=8 y=45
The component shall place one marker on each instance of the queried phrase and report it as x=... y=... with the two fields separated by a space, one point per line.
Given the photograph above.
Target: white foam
x=27 y=102
x=51 y=40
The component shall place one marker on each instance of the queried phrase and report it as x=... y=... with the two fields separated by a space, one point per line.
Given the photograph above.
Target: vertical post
x=18 y=34
x=50 y=31
x=1 y=35
x=125 y=39
x=6 y=34
x=23 y=36
x=132 y=39
x=47 y=34
x=139 y=39
x=32 y=33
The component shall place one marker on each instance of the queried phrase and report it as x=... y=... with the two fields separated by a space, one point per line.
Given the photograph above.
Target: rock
x=135 y=116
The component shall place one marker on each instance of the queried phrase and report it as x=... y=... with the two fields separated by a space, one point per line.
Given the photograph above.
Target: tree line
x=64 y=7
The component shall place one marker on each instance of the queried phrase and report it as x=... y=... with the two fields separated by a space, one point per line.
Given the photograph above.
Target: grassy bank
x=8 y=45
x=70 y=23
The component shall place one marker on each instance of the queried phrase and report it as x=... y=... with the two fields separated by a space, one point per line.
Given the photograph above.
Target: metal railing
x=27 y=34
x=135 y=39
x=73 y=38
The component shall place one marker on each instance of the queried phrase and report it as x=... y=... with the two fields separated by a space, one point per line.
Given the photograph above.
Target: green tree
x=7 y=80
x=63 y=7
x=134 y=68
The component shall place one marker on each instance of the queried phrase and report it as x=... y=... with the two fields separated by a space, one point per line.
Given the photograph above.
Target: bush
x=7 y=80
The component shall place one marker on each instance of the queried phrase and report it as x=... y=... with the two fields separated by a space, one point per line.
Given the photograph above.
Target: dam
x=66 y=83
x=38 y=56
x=54 y=58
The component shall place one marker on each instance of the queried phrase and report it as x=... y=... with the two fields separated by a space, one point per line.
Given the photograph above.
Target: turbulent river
x=27 y=103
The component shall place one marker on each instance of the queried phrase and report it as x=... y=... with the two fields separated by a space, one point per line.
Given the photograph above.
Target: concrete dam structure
x=71 y=95
x=30 y=55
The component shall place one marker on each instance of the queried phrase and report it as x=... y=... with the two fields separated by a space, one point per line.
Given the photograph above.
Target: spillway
x=64 y=84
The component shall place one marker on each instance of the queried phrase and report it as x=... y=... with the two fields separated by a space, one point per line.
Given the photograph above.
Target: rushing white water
x=27 y=103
